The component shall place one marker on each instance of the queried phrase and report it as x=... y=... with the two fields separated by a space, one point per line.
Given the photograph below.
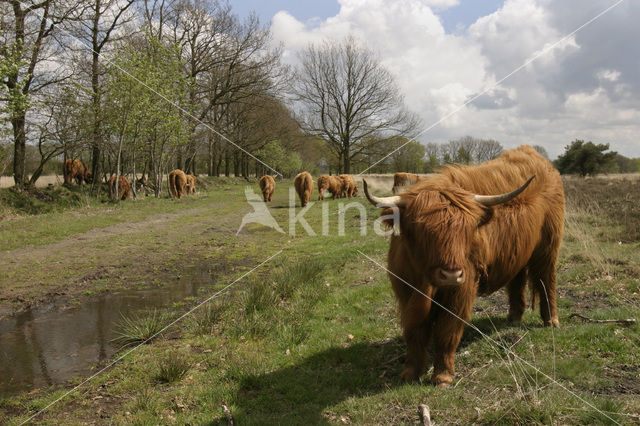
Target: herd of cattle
x=464 y=231
x=180 y=183
x=342 y=186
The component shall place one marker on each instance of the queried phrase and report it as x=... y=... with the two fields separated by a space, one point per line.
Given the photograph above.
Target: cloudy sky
x=444 y=53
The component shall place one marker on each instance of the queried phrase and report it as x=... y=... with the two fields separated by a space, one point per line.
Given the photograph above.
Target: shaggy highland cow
x=403 y=180
x=455 y=244
x=124 y=187
x=177 y=183
x=75 y=170
x=191 y=184
x=304 y=187
x=267 y=186
x=349 y=188
x=332 y=184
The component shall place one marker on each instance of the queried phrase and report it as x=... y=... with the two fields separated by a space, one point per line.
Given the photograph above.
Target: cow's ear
x=391 y=216
x=486 y=216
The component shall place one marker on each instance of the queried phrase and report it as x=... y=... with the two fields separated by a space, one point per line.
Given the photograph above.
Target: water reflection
x=45 y=346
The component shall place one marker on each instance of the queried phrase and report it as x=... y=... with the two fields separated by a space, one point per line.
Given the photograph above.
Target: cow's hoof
x=553 y=323
x=442 y=380
x=515 y=319
x=409 y=374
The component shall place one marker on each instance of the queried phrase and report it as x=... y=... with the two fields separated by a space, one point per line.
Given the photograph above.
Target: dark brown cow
x=75 y=170
x=191 y=184
x=402 y=179
x=124 y=187
x=267 y=186
x=349 y=188
x=333 y=184
x=304 y=187
x=455 y=244
x=177 y=183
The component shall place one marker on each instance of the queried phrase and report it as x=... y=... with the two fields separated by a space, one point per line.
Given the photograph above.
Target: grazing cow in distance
x=402 y=179
x=304 y=187
x=191 y=184
x=124 y=187
x=349 y=188
x=455 y=244
x=75 y=170
x=177 y=183
x=267 y=186
x=333 y=184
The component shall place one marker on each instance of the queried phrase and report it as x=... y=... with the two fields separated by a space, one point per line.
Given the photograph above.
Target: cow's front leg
x=448 y=328
x=416 y=334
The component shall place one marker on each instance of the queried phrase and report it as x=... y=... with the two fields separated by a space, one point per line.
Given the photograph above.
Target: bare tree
x=349 y=97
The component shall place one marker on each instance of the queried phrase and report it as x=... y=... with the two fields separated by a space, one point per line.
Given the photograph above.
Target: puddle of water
x=46 y=346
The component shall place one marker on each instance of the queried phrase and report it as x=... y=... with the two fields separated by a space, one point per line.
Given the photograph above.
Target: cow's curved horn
x=492 y=200
x=395 y=200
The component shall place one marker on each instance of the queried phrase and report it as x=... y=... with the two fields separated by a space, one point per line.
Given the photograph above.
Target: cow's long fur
x=401 y=179
x=177 y=183
x=304 y=187
x=349 y=188
x=124 y=187
x=333 y=184
x=267 y=186
x=504 y=245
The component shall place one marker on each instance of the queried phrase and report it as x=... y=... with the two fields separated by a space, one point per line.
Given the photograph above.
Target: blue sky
x=464 y=14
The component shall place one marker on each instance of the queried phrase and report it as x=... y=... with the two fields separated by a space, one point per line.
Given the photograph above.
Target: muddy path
x=134 y=254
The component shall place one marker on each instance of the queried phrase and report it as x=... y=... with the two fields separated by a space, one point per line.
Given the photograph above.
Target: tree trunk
x=19 y=148
x=236 y=164
x=347 y=164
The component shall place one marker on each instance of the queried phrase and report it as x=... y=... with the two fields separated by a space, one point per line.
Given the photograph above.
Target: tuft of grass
x=204 y=319
x=134 y=330
x=172 y=368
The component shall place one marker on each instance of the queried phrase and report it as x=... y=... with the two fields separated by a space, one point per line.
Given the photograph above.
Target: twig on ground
x=627 y=321
x=228 y=414
x=425 y=415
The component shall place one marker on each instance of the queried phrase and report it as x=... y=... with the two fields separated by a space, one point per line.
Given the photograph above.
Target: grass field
x=312 y=336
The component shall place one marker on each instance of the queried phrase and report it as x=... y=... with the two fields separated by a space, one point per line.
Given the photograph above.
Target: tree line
x=140 y=87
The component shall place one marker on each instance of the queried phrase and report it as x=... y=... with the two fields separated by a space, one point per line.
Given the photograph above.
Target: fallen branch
x=627 y=321
x=425 y=415
x=227 y=413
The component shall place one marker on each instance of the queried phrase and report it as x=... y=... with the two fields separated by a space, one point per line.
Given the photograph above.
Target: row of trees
x=144 y=86
x=139 y=87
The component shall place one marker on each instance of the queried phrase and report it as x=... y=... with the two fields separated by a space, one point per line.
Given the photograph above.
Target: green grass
x=313 y=337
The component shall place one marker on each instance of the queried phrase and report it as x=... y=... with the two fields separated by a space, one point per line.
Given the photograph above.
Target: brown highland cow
x=455 y=244
x=124 y=187
x=304 y=187
x=403 y=180
x=177 y=183
x=349 y=188
x=267 y=186
x=75 y=170
x=333 y=184
x=191 y=184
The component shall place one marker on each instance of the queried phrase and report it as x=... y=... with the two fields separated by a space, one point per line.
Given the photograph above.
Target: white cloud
x=585 y=87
